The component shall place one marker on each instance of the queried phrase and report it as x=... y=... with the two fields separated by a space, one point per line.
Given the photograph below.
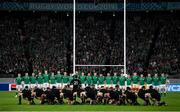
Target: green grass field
x=9 y=103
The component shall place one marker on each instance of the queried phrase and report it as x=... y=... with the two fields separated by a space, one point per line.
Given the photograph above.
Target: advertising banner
x=174 y=87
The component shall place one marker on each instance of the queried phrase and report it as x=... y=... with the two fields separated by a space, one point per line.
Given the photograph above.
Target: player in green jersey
x=26 y=80
x=141 y=81
x=18 y=81
x=40 y=80
x=46 y=79
x=89 y=79
x=95 y=79
x=65 y=79
x=101 y=80
x=135 y=80
x=33 y=80
x=115 y=79
x=52 y=80
x=82 y=78
x=149 y=81
x=108 y=80
x=156 y=81
x=129 y=81
x=163 y=84
x=122 y=80
x=70 y=78
x=59 y=79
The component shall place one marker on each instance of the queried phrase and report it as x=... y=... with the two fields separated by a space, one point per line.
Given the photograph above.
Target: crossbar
x=100 y=65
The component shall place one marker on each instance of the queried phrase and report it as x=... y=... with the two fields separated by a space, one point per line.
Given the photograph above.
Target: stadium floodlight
x=74 y=43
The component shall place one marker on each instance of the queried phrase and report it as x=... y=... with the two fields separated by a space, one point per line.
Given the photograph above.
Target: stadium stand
x=37 y=41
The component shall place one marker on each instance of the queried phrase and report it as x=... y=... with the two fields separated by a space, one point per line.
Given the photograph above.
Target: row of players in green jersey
x=121 y=79
x=43 y=78
x=91 y=79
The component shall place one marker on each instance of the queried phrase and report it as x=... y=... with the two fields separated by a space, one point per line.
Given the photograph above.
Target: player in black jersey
x=131 y=97
x=91 y=93
x=155 y=96
x=55 y=95
x=144 y=95
x=46 y=96
x=26 y=94
x=100 y=95
x=37 y=92
x=117 y=96
x=67 y=93
x=114 y=96
x=106 y=95
x=103 y=95
x=76 y=83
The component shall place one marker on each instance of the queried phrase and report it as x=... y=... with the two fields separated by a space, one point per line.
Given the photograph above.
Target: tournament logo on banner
x=174 y=87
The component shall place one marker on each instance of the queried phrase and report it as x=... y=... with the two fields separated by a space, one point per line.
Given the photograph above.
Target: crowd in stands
x=165 y=53
x=11 y=49
x=92 y=41
x=44 y=41
x=23 y=37
x=140 y=32
x=47 y=52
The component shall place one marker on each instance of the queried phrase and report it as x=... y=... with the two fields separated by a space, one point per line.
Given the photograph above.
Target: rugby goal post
x=74 y=43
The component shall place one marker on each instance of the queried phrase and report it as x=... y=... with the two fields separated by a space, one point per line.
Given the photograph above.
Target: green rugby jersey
x=141 y=80
x=46 y=78
x=129 y=80
x=115 y=79
x=149 y=80
x=40 y=79
x=59 y=78
x=18 y=80
x=163 y=79
x=65 y=79
x=33 y=80
x=83 y=79
x=95 y=79
x=135 y=79
x=155 y=81
x=26 y=79
x=70 y=78
x=122 y=80
x=89 y=80
x=108 y=79
x=101 y=80
x=52 y=79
